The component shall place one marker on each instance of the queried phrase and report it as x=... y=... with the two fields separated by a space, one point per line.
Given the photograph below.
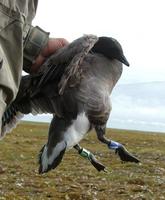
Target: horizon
x=122 y=129
x=132 y=107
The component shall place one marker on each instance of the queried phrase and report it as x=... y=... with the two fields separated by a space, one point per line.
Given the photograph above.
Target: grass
x=75 y=178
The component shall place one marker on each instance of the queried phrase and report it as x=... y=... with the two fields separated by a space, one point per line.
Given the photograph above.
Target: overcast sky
x=138 y=25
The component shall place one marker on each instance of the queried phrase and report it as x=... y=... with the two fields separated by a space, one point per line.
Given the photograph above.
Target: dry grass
x=76 y=178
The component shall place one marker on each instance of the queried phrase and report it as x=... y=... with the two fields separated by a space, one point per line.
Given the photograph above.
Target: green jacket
x=15 y=24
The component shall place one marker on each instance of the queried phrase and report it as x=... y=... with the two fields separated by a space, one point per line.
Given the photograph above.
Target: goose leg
x=88 y=155
x=63 y=134
x=119 y=148
x=53 y=151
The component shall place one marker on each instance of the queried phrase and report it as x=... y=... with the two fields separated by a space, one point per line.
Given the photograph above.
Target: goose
x=74 y=85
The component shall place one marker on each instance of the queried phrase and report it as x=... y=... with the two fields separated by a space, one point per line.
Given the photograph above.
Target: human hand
x=52 y=46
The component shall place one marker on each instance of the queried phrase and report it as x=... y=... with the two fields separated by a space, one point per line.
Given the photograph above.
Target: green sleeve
x=35 y=41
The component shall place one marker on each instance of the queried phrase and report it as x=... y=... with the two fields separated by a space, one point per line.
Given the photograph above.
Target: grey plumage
x=74 y=84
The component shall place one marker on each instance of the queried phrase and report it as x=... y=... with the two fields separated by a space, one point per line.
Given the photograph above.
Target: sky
x=139 y=26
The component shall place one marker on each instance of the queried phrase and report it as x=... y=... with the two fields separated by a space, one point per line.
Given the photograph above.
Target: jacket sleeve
x=13 y=17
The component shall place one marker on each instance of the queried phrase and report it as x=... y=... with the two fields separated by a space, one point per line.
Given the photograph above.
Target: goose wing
x=64 y=66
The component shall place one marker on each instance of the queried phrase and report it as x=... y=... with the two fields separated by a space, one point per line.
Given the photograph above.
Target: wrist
x=35 y=41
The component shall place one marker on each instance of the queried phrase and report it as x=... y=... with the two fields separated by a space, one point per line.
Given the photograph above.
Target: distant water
x=139 y=107
x=112 y=123
x=38 y=118
x=138 y=125
x=134 y=106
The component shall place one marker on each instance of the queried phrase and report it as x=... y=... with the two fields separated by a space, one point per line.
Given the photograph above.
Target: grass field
x=75 y=178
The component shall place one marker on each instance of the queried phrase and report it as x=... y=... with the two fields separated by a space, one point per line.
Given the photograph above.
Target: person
x=22 y=47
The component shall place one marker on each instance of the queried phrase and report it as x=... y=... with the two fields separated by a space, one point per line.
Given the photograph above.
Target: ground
x=75 y=178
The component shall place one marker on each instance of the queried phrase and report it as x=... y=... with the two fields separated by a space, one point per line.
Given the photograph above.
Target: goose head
x=110 y=48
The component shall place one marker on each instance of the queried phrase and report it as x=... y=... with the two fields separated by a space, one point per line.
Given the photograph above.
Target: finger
x=53 y=45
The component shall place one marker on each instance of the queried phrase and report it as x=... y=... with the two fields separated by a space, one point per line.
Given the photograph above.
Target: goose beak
x=124 y=60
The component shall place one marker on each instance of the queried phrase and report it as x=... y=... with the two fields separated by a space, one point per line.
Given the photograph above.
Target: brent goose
x=74 y=85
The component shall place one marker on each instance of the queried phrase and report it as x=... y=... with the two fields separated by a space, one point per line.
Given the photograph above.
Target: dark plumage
x=74 y=84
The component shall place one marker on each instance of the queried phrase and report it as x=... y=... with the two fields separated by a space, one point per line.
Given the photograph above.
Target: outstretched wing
x=64 y=66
